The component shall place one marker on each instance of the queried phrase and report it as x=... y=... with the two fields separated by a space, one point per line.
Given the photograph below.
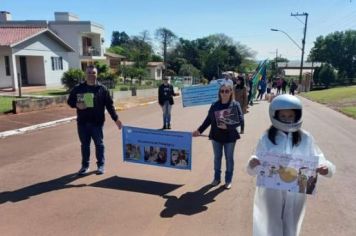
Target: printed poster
x=200 y=95
x=86 y=98
x=288 y=172
x=157 y=147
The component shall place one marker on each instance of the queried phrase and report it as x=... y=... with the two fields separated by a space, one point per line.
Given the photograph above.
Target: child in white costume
x=280 y=212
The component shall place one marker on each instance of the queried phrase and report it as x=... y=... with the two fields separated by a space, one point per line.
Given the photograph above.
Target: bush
x=109 y=79
x=101 y=66
x=72 y=77
x=124 y=88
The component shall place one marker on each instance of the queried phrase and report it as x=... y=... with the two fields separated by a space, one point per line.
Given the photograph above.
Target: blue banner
x=200 y=95
x=157 y=147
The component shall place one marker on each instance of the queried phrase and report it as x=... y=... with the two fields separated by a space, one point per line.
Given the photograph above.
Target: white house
x=30 y=53
x=292 y=68
x=85 y=37
x=154 y=69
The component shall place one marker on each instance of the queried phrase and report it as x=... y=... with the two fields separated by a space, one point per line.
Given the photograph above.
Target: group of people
x=276 y=212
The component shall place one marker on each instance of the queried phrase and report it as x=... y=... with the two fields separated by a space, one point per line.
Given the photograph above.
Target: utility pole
x=303 y=43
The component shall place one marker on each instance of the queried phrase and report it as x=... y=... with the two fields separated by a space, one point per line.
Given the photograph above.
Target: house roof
x=149 y=64
x=154 y=63
x=296 y=64
x=12 y=35
x=113 y=55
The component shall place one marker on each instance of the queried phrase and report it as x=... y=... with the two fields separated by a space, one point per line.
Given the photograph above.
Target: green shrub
x=124 y=88
x=109 y=79
x=72 y=77
x=101 y=67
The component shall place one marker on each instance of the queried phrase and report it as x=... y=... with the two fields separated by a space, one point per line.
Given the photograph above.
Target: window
x=7 y=65
x=57 y=63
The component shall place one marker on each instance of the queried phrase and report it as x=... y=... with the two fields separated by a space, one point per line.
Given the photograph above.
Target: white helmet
x=286 y=102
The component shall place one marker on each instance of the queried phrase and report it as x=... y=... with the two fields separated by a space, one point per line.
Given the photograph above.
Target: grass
x=51 y=92
x=327 y=96
x=6 y=104
x=342 y=99
x=350 y=111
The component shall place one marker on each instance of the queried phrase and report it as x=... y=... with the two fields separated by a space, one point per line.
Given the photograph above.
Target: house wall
x=72 y=33
x=154 y=74
x=42 y=46
x=5 y=81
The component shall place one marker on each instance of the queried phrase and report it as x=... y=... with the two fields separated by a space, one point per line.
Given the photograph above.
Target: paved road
x=39 y=195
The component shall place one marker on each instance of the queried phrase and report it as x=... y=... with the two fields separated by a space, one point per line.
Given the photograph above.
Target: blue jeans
x=166 y=108
x=87 y=132
x=229 y=157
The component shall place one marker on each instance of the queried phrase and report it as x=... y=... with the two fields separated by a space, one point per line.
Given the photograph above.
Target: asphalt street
x=41 y=195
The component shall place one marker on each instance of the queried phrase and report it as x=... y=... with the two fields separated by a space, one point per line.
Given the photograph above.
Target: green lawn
x=331 y=95
x=342 y=99
x=6 y=104
x=351 y=111
x=51 y=92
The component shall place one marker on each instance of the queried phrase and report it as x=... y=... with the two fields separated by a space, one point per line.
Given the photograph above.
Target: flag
x=260 y=74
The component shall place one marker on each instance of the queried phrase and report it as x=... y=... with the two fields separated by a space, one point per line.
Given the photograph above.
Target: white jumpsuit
x=279 y=212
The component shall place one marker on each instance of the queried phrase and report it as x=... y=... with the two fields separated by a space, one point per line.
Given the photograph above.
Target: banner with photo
x=157 y=147
x=288 y=172
x=200 y=95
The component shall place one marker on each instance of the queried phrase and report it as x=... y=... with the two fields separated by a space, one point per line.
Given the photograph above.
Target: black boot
x=164 y=127
x=169 y=126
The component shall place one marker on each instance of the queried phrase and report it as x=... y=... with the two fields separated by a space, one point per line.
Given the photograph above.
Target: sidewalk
x=12 y=124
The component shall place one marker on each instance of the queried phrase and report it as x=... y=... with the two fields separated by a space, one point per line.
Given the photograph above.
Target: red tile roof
x=12 y=35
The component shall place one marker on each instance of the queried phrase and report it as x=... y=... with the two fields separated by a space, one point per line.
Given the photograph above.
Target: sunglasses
x=225 y=91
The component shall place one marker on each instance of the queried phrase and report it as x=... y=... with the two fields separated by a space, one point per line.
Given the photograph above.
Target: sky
x=245 y=21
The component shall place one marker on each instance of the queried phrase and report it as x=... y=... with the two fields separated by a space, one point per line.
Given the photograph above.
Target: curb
x=36 y=127
x=54 y=123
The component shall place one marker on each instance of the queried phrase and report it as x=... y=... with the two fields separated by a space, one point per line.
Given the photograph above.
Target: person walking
x=293 y=86
x=261 y=89
x=165 y=100
x=250 y=90
x=284 y=86
x=90 y=98
x=241 y=97
x=224 y=116
x=281 y=212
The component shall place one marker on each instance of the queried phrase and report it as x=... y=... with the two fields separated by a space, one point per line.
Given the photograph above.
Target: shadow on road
x=37 y=189
x=190 y=203
x=136 y=185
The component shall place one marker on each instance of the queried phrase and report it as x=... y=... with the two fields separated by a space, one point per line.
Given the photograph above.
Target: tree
x=156 y=58
x=327 y=75
x=117 y=38
x=189 y=70
x=166 y=38
x=145 y=36
x=337 y=49
x=273 y=65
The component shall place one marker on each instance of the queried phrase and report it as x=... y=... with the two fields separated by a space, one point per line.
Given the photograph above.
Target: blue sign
x=200 y=95
x=156 y=147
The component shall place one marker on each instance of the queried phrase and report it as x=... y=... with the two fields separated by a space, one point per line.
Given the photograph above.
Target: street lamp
x=300 y=48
